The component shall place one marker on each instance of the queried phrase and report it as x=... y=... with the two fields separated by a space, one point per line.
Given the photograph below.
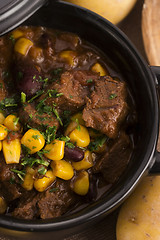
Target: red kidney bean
x=27 y=78
x=74 y=154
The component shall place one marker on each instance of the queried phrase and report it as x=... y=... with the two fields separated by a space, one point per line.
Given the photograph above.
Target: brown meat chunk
x=74 y=87
x=11 y=191
x=55 y=203
x=107 y=107
x=49 y=204
x=28 y=114
x=5 y=170
x=115 y=160
x=27 y=207
x=3 y=91
x=65 y=41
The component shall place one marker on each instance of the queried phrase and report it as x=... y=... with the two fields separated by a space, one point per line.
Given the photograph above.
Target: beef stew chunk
x=63 y=123
x=72 y=90
x=107 y=107
x=28 y=114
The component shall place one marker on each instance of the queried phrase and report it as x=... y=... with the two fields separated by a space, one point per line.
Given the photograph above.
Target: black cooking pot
x=143 y=84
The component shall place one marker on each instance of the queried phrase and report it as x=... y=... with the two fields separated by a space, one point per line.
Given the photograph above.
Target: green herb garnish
x=23 y=97
x=90 y=80
x=12 y=38
x=78 y=125
x=57 y=116
x=112 y=96
x=8 y=102
x=19 y=173
x=15 y=121
x=97 y=143
x=39 y=93
x=50 y=134
x=53 y=189
x=36 y=137
x=30 y=161
x=42 y=170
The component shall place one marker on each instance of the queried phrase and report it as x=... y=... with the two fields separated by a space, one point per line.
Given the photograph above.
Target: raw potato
x=113 y=10
x=139 y=217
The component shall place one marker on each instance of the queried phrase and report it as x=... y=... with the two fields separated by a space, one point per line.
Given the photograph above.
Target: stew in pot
x=66 y=123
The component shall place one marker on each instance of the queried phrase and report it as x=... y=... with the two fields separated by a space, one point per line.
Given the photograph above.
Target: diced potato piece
x=55 y=150
x=78 y=118
x=16 y=33
x=29 y=179
x=97 y=67
x=3 y=132
x=3 y=205
x=62 y=169
x=23 y=45
x=81 y=183
x=86 y=163
x=33 y=140
x=2 y=117
x=80 y=136
x=12 y=123
x=42 y=183
x=11 y=151
x=0 y=145
x=69 y=56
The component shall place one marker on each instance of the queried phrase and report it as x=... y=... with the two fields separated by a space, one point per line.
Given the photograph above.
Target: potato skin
x=139 y=217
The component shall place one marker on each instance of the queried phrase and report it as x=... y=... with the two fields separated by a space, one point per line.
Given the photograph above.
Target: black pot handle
x=156 y=74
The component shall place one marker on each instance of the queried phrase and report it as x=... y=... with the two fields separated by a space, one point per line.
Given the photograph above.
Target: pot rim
x=101 y=206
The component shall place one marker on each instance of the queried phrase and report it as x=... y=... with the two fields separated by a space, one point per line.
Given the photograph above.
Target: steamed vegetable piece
x=139 y=217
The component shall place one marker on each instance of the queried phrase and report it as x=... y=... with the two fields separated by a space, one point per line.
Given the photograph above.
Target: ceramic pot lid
x=14 y=12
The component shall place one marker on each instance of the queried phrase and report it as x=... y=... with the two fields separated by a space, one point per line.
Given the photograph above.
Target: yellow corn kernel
x=80 y=136
x=97 y=67
x=23 y=45
x=11 y=150
x=33 y=140
x=78 y=118
x=0 y=145
x=85 y=163
x=72 y=125
x=2 y=117
x=16 y=33
x=81 y=183
x=42 y=183
x=36 y=53
x=11 y=122
x=55 y=150
x=3 y=132
x=3 y=205
x=69 y=56
x=62 y=169
x=29 y=179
